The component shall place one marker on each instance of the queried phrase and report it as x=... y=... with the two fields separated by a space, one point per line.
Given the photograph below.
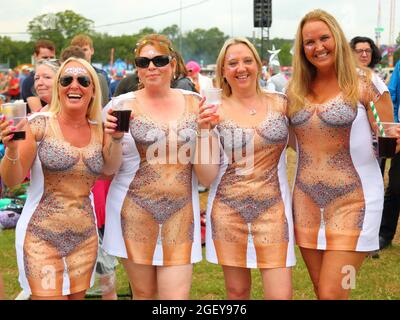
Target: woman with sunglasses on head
x=338 y=189
x=152 y=208
x=249 y=218
x=56 y=236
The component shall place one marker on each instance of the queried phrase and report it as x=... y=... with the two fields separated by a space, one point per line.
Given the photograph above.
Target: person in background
x=119 y=75
x=86 y=44
x=338 y=188
x=391 y=207
x=13 y=86
x=366 y=52
x=44 y=49
x=72 y=51
x=201 y=82
x=45 y=72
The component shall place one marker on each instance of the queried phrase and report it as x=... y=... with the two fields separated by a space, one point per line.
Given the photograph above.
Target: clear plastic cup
x=387 y=142
x=16 y=111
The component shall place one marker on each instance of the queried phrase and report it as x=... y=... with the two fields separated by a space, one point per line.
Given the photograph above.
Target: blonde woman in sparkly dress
x=56 y=236
x=249 y=217
x=338 y=190
x=152 y=208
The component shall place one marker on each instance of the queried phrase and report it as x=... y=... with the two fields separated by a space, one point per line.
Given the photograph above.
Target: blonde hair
x=93 y=112
x=304 y=72
x=220 y=81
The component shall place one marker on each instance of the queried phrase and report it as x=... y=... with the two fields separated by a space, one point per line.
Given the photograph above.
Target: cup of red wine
x=387 y=139
x=16 y=111
x=122 y=109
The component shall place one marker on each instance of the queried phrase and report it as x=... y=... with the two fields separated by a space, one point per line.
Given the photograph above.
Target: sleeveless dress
x=338 y=190
x=152 y=207
x=56 y=236
x=249 y=216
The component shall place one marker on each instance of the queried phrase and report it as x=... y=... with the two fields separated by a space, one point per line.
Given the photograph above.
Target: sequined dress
x=152 y=208
x=249 y=217
x=56 y=236
x=338 y=191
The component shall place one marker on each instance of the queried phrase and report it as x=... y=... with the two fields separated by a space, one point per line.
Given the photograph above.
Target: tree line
x=199 y=44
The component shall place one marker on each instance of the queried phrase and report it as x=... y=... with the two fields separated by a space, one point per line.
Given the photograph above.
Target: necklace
x=252 y=111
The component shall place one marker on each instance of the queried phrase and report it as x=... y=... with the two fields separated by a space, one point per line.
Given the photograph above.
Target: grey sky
x=234 y=17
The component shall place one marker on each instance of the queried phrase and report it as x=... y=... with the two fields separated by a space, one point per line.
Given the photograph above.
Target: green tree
x=59 y=27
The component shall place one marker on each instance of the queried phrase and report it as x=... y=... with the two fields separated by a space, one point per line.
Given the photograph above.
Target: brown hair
x=43 y=43
x=81 y=40
x=162 y=44
x=72 y=51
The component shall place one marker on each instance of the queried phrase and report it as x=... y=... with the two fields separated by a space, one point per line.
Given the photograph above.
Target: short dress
x=338 y=189
x=152 y=207
x=249 y=215
x=56 y=236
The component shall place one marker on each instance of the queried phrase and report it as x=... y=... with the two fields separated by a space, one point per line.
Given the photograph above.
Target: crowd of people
x=97 y=191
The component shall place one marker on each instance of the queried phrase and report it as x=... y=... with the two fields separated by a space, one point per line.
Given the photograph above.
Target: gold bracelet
x=11 y=159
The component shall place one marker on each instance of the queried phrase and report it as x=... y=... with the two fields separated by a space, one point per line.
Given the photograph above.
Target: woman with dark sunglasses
x=56 y=236
x=152 y=208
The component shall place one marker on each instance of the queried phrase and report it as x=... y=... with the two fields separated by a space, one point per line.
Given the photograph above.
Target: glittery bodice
x=69 y=174
x=250 y=183
x=323 y=136
x=162 y=185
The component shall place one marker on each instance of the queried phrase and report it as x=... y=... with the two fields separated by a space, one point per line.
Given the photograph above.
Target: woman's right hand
x=208 y=116
x=111 y=124
x=7 y=133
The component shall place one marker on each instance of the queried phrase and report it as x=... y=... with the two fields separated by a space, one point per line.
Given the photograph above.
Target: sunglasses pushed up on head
x=84 y=81
x=158 y=61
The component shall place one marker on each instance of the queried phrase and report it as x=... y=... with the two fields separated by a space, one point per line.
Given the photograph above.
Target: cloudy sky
x=233 y=17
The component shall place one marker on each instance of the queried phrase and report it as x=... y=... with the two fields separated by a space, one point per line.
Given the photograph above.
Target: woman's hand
x=208 y=116
x=7 y=132
x=110 y=125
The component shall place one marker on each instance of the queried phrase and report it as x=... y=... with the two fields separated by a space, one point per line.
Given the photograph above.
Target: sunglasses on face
x=158 y=61
x=84 y=81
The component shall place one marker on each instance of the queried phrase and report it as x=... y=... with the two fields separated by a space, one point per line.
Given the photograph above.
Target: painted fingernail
x=13 y=128
x=11 y=121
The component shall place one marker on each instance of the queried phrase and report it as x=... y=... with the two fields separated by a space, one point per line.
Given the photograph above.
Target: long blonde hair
x=220 y=81
x=304 y=72
x=93 y=112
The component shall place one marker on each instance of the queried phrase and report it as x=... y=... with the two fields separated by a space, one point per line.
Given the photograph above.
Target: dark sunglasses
x=158 y=61
x=84 y=81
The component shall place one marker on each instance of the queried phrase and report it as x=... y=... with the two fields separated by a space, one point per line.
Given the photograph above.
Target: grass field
x=379 y=279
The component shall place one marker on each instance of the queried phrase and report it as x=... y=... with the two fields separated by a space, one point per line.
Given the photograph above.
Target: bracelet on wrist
x=13 y=160
x=117 y=140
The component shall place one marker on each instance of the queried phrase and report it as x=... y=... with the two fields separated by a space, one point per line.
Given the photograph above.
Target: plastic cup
x=213 y=96
x=16 y=111
x=387 y=143
x=122 y=111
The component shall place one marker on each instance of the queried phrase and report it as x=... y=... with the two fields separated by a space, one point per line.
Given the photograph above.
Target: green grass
x=379 y=279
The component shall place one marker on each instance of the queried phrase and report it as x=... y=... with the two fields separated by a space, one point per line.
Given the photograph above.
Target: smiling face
x=153 y=76
x=44 y=76
x=240 y=67
x=363 y=53
x=319 y=45
x=74 y=95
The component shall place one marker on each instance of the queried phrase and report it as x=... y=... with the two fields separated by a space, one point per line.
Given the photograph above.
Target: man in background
x=44 y=49
x=86 y=44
